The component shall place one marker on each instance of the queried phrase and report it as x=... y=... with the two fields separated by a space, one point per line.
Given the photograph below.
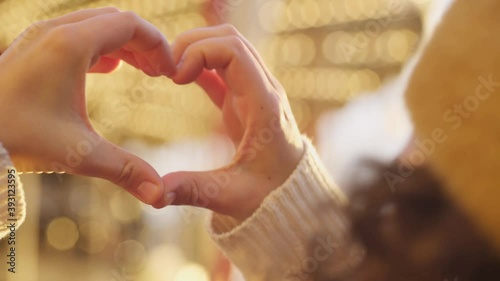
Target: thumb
x=230 y=191
x=105 y=65
x=199 y=189
x=108 y=161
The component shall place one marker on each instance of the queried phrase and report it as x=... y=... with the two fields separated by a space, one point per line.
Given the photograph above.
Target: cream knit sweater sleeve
x=12 y=204
x=292 y=232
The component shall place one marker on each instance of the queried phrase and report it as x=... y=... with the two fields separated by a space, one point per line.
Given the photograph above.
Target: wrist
x=268 y=175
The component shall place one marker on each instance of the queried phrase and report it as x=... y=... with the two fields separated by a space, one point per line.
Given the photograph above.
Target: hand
x=257 y=117
x=44 y=122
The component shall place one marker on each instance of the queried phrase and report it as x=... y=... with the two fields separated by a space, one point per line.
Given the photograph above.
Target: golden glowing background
x=325 y=52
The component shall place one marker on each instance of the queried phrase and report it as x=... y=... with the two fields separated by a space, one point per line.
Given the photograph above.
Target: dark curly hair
x=412 y=232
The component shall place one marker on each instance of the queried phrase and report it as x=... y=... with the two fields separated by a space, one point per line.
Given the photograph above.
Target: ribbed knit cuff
x=303 y=213
x=20 y=204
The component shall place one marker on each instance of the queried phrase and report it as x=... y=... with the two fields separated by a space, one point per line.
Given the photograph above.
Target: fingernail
x=149 y=70
x=148 y=192
x=168 y=74
x=169 y=198
x=165 y=70
x=181 y=63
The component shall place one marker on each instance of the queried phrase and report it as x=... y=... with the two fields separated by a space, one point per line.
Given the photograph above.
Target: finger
x=105 y=65
x=217 y=190
x=198 y=34
x=81 y=15
x=100 y=158
x=128 y=29
x=230 y=55
x=213 y=85
x=199 y=189
x=190 y=188
x=45 y=25
x=134 y=60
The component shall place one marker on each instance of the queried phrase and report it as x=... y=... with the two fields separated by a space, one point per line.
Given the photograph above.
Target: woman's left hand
x=257 y=117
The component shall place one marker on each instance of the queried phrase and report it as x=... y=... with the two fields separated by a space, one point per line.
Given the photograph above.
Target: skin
x=43 y=77
x=46 y=94
x=257 y=117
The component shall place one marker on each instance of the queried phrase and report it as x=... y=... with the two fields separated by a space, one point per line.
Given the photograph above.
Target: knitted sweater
x=12 y=204
x=297 y=226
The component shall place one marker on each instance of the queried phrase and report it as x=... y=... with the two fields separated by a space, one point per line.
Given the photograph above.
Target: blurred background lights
x=298 y=49
x=310 y=12
x=62 y=233
x=130 y=255
x=272 y=16
x=192 y=272
x=163 y=263
x=124 y=207
x=337 y=47
x=338 y=11
x=378 y=36
x=85 y=200
x=325 y=15
x=354 y=8
x=402 y=44
x=93 y=237
x=325 y=53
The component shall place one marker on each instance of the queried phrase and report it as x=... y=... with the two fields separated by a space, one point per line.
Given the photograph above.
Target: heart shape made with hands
x=46 y=94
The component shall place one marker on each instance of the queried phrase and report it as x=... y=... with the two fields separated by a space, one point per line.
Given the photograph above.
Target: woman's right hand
x=43 y=119
x=257 y=117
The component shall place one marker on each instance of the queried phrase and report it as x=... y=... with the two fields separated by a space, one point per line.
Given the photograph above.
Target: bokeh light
x=192 y=272
x=62 y=233
x=130 y=255
x=124 y=207
x=94 y=237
